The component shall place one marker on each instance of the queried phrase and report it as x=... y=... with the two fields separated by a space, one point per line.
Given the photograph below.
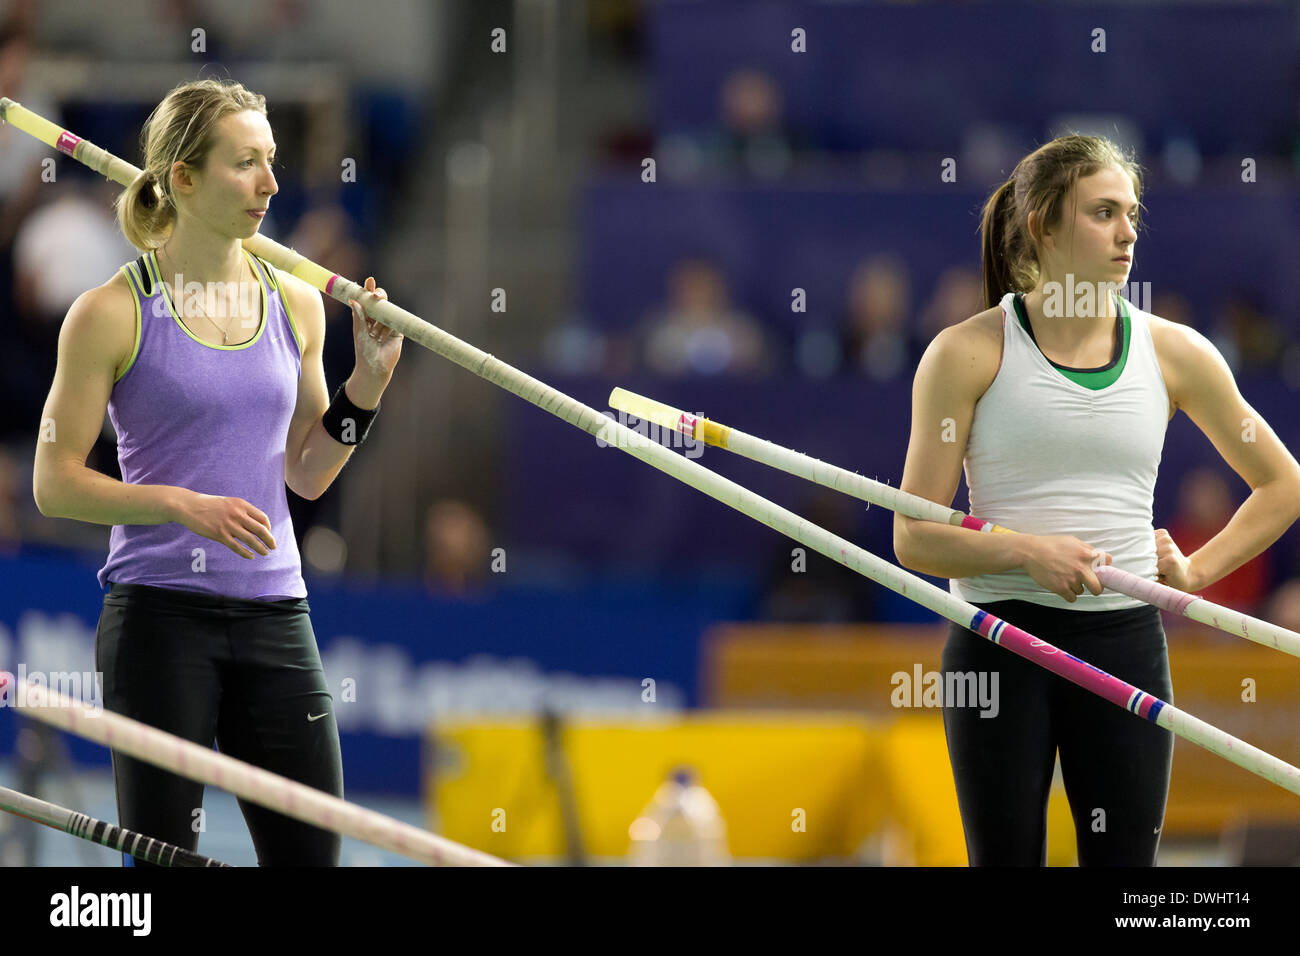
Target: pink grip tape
x=1153 y=592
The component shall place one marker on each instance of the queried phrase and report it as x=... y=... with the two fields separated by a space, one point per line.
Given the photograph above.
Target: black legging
x=246 y=674
x=1115 y=764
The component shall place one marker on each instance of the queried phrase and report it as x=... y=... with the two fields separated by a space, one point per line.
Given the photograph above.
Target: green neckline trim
x=1094 y=379
x=152 y=261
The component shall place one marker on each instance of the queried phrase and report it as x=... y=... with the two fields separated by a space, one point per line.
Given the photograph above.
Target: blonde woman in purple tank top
x=208 y=362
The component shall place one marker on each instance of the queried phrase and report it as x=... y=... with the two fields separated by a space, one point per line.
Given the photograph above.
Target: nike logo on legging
x=310 y=718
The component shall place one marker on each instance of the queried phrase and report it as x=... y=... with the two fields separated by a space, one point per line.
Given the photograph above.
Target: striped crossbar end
x=137 y=844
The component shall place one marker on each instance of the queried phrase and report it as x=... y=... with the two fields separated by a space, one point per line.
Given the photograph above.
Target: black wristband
x=344 y=422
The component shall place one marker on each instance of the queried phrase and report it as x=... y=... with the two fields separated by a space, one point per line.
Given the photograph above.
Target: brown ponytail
x=994 y=227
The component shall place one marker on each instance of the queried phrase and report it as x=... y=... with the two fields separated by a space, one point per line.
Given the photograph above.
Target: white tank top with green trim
x=1056 y=451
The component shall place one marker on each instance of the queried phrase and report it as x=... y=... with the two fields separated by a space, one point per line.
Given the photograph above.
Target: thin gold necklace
x=225 y=338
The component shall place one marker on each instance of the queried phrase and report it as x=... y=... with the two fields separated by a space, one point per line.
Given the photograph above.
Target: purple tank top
x=213 y=419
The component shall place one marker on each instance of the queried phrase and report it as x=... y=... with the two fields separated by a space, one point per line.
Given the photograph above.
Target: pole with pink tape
x=914 y=506
x=1200 y=610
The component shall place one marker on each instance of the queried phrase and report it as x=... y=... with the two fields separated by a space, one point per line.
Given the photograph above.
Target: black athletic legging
x=246 y=674
x=1115 y=765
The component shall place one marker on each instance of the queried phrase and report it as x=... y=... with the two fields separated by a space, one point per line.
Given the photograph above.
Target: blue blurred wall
x=415 y=658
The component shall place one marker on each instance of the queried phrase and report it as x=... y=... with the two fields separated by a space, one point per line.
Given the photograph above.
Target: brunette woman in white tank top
x=1057 y=397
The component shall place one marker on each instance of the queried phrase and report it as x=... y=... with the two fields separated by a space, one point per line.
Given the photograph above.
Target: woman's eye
x=1132 y=216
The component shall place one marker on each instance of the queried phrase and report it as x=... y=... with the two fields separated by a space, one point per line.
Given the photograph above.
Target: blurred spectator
x=877 y=330
x=21 y=159
x=818 y=352
x=1283 y=607
x=456 y=553
x=1205 y=506
x=701 y=332
x=173 y=21
x=574 y=348
x=1249 y=340
x=751 y=138
x=327 y=233
x=67 y=246
x=958 y=295
x=283 y=32
x=806 y=587
x=1174 y=307
x=989 y=147
x=20 y=153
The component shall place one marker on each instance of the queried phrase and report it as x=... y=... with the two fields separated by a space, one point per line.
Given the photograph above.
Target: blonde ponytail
x=144 y=212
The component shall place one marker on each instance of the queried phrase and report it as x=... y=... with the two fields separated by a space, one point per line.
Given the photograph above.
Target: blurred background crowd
x=779 y=266
x=797 y=232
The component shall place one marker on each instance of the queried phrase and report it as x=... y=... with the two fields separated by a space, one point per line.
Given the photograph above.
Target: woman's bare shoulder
x=985 y=327
x=973 y=347
x=106 y=315
x=1162 y=330
x=1174 y=345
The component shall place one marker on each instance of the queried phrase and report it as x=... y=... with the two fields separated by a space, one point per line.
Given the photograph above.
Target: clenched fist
x=1172 y=567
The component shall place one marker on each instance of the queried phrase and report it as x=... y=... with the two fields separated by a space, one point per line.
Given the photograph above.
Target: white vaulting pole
x=267 y=789
x=745 y=501
x=411 y=326
x=97 y=831
x=914 y=506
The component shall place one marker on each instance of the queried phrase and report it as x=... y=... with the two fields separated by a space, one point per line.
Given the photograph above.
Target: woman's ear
x=182 y=177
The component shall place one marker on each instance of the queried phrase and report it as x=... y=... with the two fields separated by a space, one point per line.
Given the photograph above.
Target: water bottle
x=681 y=826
